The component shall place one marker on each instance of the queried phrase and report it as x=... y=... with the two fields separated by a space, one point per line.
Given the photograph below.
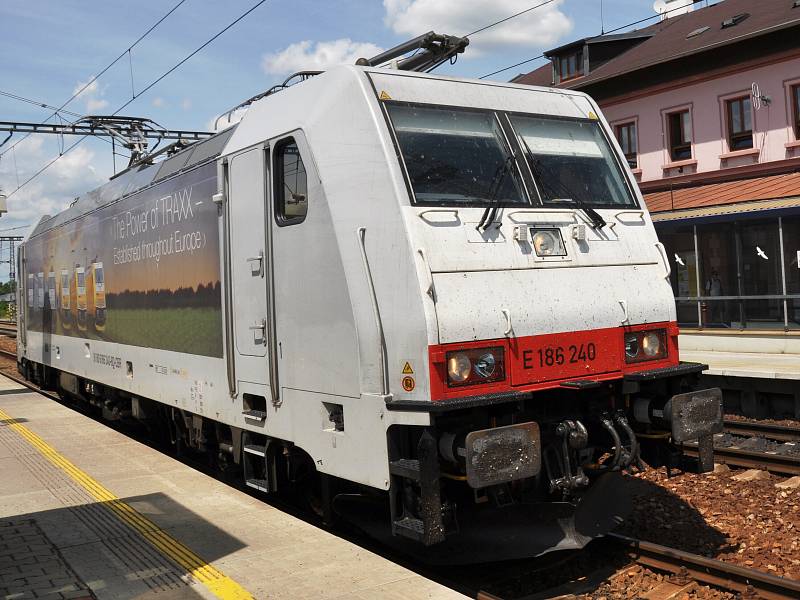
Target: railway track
x=683 y=568
x=783 y=464
x=780 y=433
x=709 y=571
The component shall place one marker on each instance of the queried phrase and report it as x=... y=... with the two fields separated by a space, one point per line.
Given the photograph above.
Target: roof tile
x=731 y=192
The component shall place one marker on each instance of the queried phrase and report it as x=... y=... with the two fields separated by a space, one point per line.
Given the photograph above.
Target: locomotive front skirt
x=436 y=306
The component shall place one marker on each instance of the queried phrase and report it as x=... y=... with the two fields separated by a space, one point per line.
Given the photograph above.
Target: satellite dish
x=660 y=6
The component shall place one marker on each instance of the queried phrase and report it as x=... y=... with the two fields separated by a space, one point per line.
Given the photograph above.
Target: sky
x=50 y=48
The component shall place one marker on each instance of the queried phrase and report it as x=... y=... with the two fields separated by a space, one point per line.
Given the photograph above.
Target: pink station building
x=705 y=105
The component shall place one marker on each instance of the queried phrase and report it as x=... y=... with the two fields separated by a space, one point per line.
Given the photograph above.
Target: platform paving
x=87 y=512
x=746 y=364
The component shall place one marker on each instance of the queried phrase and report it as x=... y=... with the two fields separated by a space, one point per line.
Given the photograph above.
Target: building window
x=570 y=65
x=731 y=275
x=679 y=243
x=796 y=110
x=791 y=260
x=292 y=190
x=626 y=135
x=740 y=123
x=680 y=135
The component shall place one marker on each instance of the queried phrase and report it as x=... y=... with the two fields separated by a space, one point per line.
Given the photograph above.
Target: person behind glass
x=714 y=288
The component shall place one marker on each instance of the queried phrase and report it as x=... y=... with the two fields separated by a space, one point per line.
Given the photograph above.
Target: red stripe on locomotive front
x=541 y=362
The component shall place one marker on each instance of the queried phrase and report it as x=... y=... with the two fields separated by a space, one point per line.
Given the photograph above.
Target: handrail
x=430 y=291
x=272 y=334
x=230 y=365
x=665 y=257
x=638 y=213
x=543 y=211
x=362 y=232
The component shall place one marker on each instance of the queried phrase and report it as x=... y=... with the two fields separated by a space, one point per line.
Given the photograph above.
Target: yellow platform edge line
x=218 y=583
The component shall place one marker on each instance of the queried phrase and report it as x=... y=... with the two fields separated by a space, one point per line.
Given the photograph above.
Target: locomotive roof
x=137 y=178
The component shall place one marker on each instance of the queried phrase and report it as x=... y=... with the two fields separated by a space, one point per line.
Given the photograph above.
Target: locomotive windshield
x=460 y=156
x=456 y=156
x=571 y=161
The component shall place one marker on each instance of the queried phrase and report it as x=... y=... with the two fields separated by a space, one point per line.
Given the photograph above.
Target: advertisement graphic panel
x=143 y=271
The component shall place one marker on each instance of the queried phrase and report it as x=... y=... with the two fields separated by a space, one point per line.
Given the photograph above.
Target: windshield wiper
x=494 y=194
x=597 y=220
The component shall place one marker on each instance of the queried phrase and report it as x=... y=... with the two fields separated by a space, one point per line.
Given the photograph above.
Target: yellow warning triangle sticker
x=593 y=116
x=385 y=96
x=407 y=370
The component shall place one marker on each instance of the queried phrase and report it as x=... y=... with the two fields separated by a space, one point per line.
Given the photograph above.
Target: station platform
x=744 y=354
x=86 y=512
x=757 y=365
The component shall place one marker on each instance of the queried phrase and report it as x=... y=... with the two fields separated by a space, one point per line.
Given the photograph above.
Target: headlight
x=645 y=345
x=548 y=242
x=484 y=366
x=475 y=366
x=458 y=367
x=651 y=344
x=631 y=345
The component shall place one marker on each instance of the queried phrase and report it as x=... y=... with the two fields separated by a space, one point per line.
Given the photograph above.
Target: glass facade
x=741 y=274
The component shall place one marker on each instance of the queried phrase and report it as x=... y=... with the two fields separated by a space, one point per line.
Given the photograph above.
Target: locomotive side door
x=313 y=338
x=247 y=293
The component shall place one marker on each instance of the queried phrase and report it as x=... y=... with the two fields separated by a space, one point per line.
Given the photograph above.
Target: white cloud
x=92 y=95
x=541 y=27
x=158 y=102
x=314 y=56
x=51 y=192
x=186 y=104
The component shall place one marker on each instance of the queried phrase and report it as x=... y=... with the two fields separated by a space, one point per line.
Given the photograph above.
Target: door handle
x=260 y=260
x=262 y=327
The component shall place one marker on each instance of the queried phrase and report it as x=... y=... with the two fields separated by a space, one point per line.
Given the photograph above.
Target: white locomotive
x=439 y=298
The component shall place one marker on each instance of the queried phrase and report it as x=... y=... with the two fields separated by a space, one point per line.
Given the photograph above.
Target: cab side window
x=291 y=184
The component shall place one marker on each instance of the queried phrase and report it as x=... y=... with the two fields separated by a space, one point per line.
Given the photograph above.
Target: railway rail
x=780 y=433
x=783 y=464
x=685 y=567
x=709 y=571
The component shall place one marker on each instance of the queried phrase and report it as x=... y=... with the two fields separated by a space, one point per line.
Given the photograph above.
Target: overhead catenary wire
x=102 y=71
x=522 y=12
x=190 y=55
x=145 y=89
x=58 y=112
x=626 y=26
x=37 y=103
